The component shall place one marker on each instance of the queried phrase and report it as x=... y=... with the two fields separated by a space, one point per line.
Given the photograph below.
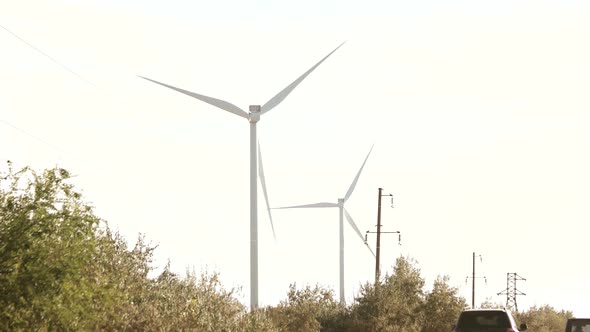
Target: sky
x=478 y=113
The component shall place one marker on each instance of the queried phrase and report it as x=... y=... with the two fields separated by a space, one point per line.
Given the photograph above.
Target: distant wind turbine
x=340 y=206
x=253 y=116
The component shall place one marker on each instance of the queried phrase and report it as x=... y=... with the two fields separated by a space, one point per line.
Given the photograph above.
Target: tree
x=258 y=321
x=544 y=319
x=199 y=303
x=442 y=306
x=308 y=309
x=393 y=304
x=63 y=269
x=47 y=237
x=489 y=304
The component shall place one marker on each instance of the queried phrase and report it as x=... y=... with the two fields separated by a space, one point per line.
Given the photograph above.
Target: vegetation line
x=63 y=269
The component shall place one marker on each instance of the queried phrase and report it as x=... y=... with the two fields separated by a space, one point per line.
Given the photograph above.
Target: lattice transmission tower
x=511 y=291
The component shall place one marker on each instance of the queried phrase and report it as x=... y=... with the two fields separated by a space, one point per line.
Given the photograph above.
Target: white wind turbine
x=340 y=206
x=253 y=116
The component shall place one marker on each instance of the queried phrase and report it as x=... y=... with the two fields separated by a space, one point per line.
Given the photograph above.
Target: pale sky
x=478 y=112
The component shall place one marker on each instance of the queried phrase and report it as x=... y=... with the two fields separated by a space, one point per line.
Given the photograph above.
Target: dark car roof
x=485 y=310
x=576 y=321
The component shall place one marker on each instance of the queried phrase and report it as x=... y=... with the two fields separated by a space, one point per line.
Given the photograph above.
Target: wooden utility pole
x=473 y=284
x=378 y=249
x=473 y=277
x=378 y=232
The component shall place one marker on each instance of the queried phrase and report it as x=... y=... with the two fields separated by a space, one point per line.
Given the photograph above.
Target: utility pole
x=473 y=277
x=511 y=292
x=378 y=247
x=473 y=284
x=399 y=241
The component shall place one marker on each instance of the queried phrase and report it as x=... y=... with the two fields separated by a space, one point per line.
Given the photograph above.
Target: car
x=578 y=325
x=487 y=320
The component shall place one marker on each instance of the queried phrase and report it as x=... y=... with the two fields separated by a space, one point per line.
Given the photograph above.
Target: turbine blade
x=263 y=183
x=274 y=101
x=371 y=250
x=351 y=188
x=353 y=225
x=224 y=105
x=358 y=232
x=315 y=205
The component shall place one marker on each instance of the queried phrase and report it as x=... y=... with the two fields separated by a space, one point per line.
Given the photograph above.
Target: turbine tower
x=253 y=116
x=342 y=210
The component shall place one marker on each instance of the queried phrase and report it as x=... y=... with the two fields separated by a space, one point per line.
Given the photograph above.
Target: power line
x=59 y=64
x=47 y=56
x=63 y=67
x=33 y=136
x=108 y=95
x=64 y=154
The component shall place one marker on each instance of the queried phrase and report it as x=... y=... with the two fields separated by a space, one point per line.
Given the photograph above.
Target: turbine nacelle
x=254 y=115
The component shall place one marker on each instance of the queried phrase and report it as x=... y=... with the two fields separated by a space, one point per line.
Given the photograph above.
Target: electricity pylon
x=511 y=292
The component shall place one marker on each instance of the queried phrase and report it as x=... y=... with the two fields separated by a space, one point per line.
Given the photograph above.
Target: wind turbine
x=253 y=116
x=340 y=206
